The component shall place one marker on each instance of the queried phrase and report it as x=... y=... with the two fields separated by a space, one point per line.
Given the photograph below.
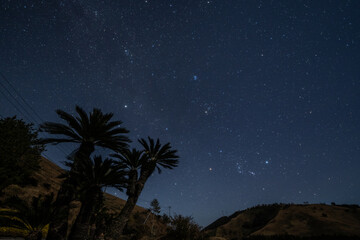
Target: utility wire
x=12 y=87
x=14 y=105
x=21 y=112
x=24 y=109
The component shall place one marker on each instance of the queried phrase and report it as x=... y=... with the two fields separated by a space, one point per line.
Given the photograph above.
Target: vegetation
x=88 y=176
x=141 y=165
x=89 y=131
x=155 y=210
x=20 y=152
x=127 y=170
x=155 y=207
x=31 y=220
x=183 y=228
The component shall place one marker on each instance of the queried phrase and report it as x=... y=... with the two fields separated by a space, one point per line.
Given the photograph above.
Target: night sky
x=261 y=98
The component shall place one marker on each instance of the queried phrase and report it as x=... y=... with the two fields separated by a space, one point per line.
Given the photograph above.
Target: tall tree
x=155 y=210
x=155 y=206
x=154 y=156
x=89 y=131
x=92 y=176
x=20 y=152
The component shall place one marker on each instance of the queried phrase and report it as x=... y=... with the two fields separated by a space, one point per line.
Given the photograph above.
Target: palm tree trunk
x=81 y=228
x=59 y=227
x=120 y=222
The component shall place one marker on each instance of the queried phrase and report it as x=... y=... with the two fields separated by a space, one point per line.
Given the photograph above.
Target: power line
x=14 y=105
x=27 y=115
x=2 y=75
x=24 y=109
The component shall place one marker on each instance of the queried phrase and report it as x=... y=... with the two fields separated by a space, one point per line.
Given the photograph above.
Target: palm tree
x=132 y=160
x=31 y=219
x=143 y=164
x=92 y=176
x=89 y=131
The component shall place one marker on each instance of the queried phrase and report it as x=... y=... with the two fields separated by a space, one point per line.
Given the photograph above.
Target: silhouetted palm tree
x=92 y=176
x=132 y=161
x=89 y=131
x=154 y=156
x=31 y=218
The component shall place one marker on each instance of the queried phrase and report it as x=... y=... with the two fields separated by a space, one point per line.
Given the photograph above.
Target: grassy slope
x=48 y=182
x=314 y=219
x=298 y=220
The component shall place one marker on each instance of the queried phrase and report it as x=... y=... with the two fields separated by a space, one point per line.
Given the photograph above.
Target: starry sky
x=261 y=98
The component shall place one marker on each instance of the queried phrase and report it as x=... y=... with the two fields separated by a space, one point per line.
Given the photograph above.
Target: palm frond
x=94 y=128
x=159 y=156
x=98 y=173
x=22 y=215
x=132 y=159
x=71 y=121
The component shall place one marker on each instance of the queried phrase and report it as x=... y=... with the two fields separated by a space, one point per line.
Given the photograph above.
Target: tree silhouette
x=155 y=210
x=183 y=228
x=89 y=131
x=155 y=206
x=20 y=152
x=142 y=164
x=91 y=176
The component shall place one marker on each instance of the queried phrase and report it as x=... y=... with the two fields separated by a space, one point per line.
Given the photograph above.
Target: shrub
x=183 y=228
x=19 y=152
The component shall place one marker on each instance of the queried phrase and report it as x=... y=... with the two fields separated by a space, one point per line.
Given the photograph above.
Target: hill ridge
x=288 y=219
